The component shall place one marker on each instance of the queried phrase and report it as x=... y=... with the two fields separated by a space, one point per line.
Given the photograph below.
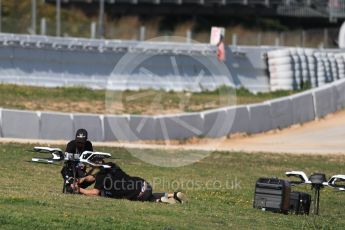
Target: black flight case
x=272 y=194
x=300 y=203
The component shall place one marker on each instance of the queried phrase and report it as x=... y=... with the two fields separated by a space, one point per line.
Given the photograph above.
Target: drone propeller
x=44 y=161
x=91 y=158
x=46 y=149
x=301 y=175
x=56 y=153
x=333 y=182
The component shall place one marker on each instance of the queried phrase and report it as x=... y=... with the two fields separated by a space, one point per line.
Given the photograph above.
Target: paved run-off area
x=322 y=136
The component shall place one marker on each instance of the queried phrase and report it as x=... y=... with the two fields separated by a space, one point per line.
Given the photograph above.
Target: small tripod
x=316 y=203
x=317 y=180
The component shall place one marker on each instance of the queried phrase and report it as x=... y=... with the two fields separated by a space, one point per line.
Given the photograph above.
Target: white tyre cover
x=278 y=53
x=283 y=75
x=280 y=61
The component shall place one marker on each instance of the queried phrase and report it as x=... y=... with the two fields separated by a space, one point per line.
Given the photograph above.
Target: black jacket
x=115 y=183
x=72 y=147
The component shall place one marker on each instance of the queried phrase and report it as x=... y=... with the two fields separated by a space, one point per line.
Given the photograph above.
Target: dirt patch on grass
x=65 y=106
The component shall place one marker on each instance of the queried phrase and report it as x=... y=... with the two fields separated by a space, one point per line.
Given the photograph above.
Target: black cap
x=81 y=135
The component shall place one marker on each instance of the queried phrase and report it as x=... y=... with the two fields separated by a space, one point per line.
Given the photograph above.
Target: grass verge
x=78 y=99
x=220 y=188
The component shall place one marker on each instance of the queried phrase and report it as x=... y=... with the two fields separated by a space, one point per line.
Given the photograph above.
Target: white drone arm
x=88 y=157
x=300 y=174
x=331 y=183
x=46 y=149
x=56 y=153
x=334 y=179
x=39 y=160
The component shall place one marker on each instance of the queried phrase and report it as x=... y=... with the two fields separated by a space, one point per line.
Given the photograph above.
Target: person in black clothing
x=78 y=146
x=113 y=182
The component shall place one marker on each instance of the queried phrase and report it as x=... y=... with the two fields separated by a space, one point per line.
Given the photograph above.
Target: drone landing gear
x=316 y=201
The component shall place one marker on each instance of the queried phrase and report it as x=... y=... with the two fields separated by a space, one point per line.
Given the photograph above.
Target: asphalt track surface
x=324 y=136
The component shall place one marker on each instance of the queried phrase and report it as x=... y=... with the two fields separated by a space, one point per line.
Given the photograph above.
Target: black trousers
x=148 y=195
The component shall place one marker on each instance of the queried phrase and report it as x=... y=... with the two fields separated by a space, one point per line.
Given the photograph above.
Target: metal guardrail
x=101 y=45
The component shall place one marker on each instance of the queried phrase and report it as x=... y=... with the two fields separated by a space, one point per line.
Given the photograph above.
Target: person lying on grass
x=111 y=181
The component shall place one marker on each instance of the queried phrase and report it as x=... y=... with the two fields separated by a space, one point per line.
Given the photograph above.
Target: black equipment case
x=272 y=194
x=300 y=203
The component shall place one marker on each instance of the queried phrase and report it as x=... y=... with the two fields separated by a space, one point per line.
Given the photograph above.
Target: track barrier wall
x=20 y=124
x=303 y=108
x=56 y=126
x=324 y=101
x=92 y=123
x=256 y=118
x=260 y=119
x=281 y=113
x=51 y=62
x=143 y=127
x=179 y=126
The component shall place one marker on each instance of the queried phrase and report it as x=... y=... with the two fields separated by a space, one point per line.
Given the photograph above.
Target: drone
x=57 y=155
x=73 y=164
x=332 y=182
x=317 y=181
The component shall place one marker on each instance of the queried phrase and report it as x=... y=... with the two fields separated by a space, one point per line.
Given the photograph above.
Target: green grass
x=77 y=99
x=31 y=198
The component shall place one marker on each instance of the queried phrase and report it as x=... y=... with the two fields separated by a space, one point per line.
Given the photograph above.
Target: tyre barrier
x=316 y=67
x=281 y=66
x=256 y=118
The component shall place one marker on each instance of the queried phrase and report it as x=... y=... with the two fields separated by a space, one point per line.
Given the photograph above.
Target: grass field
x=74 y=99
x=31 y=198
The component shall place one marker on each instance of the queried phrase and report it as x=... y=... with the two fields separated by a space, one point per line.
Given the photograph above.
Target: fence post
x=33 y=17
x=234 y=39
x=142 y=33
x=0 y=16
x=325 y=38
x=101 y=19
x=58 y=18
x=43 y=26
x=277 y=41
x=303 y=38
x=281 y=38
x=93 y=30
x=189 y=36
